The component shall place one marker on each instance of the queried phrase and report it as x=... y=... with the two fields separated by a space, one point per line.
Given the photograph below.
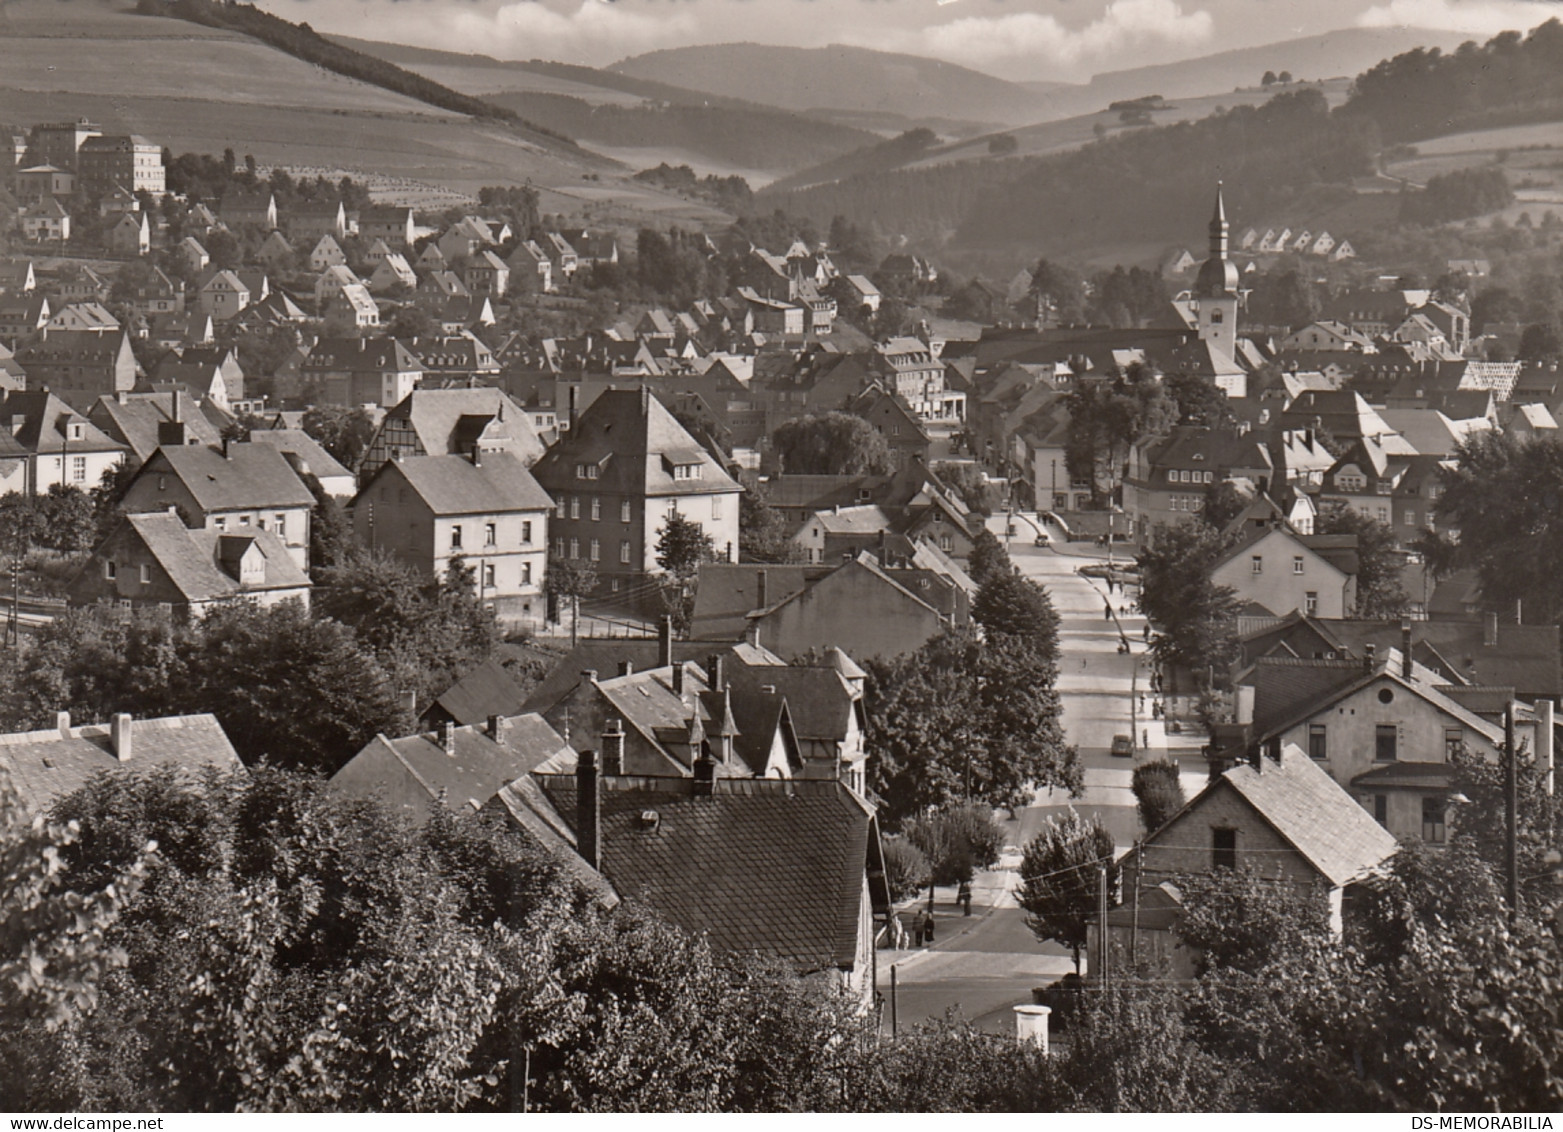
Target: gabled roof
x=250 y=476
x=820 y=699
x=136 y=421
x=45 y=766
x=359 y=355
x=435 y=414
x=489 y=689
x=455 y=485
x=193 y=559
x=606 y=656
x=728 y=592
x=414 y=773
x=296 y=442
x=758 y=865
x=45 y=421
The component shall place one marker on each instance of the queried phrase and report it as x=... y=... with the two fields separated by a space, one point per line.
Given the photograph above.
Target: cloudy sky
x=1018 y=39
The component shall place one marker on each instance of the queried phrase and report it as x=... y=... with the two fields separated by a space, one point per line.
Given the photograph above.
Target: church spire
x=1218 y=276
x=1218 y=226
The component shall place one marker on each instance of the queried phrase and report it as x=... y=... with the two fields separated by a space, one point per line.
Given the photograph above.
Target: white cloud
x=983 y=41
x=1487 y=18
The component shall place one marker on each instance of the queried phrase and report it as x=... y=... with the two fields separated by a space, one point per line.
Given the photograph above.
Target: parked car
x=1123 y=746
x=1041 y=540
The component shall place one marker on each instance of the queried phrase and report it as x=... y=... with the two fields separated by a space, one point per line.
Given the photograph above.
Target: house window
x=946 y=543
x=490 y=531
x=1297 y=564
x=78 y=469
x=1317 y=743
x=575 y=548
x=526 y=573
x=526 y=532
x=488 y=575
x=1257 y=564
x=1454 y=739
x=559 y=547
x=455 y=537
x=575 y=506
x=559 y=509
x=1381 y=809
x=1433 y=820
x=221 y=522
x=716 y=507
x=596 y=550
x=624 y=510
x=1384 y=738
x=1223 y=848
x=244 y=520
x=613 y=585
x=624 y=552
x=109 y=570
x=596 y=509
x=1311 y=603
x=1410 y=518
x=1383 y=514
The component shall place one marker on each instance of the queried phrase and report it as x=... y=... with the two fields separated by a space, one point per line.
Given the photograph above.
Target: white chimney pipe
x=119 y=736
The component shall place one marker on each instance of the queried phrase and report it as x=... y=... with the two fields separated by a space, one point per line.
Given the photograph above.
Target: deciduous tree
x=1059 y=879
x=833 y=444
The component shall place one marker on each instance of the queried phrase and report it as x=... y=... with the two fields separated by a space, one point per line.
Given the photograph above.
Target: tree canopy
x=833 y=444
x=1196 y=619
x=1059 y=879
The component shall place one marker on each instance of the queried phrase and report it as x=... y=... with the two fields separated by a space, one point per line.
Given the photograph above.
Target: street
x=988 y=963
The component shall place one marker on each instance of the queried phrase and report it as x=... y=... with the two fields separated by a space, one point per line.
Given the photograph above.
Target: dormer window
x=76 y=431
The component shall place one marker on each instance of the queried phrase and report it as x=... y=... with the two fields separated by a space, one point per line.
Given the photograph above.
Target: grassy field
x=1531 y=157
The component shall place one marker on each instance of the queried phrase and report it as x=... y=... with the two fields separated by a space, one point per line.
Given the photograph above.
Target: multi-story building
x=124 y=161
x=362 y=371
x=484 y=509
x=44 y=442
x=624 y=467
x=79 y=366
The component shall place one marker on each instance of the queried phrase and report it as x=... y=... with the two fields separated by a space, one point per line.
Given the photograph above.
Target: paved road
x=986 y=964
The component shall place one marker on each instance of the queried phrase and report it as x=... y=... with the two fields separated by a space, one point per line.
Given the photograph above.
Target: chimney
x=665 y=641
x=62 y=720
x=448 y=736
x=589 y=675
x=588 y=809
x=714 y=673
x=226 y=442
x=119 y=736
x=759 y=589
x=626 y=668
x=1272 y=749
x=1405 y=647
x=575 y=396
x=1490 y=630
x=705 y=775
x=1245 y=704
x=678 y=680
x=1369 y=657
x=499 y=729
x=613 y=748
x=752 y=633
x=409 y=697
x=171 y=434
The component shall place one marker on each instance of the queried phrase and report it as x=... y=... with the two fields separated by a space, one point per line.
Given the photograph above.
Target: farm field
x=1531 y=156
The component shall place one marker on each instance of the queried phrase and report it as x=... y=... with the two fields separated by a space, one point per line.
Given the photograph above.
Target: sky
x=1065 y=40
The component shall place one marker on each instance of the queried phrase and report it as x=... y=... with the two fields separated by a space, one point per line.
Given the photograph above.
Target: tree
x=906 y=867
x=1501 y=496
x=1060 y=292
x=1481 y=823
x=1284 y=77
x=1268 y=80
x=1016 y=606
x=833 y=444
x=1379 y=558
x=1241 y=920
x=342 y=431
x=1108 y=417
x=1223 y=503
x=682 y=546
x=21 y=524
x=1195 y=618
x=69 y=520
x=411 y=321
x=1060 y=877
x=966 y=718
x=1158 y=792
x=1002 y=145
x=957 y=840
x=988 y=559
x=1200 y=402
x=763 y=534
x=970 y=483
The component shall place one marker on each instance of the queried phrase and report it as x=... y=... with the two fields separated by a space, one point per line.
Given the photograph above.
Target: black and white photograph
x=781 y=556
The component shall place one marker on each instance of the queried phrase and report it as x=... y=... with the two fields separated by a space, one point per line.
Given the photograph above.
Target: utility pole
x=1511 y=812
x=1134 y=930
x=1101 y=922
x=13 y=627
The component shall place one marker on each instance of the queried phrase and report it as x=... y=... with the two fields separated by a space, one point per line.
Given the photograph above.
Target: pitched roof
x=296 y=442
x=454 y=485
x=411 y=774
x=434 y=415
x=758 y=865
x=249 y=476
x=488 y=689
x=45 y=766
x=193 y=559
x=727 y=592
x=606 y=656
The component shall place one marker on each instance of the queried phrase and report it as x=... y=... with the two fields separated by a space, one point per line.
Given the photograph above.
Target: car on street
x=1041 y=540
x=1123 y=746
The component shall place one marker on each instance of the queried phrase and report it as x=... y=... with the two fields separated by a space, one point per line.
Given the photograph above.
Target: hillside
x=840 y=79
x=640 y=121
x=198 y=89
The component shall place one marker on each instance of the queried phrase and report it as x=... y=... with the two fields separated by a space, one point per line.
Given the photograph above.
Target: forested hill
x=1424 y=93
x=303 y=42
x=1141 y=186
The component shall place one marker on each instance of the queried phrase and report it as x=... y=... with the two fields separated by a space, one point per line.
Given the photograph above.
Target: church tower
x=1215 y=290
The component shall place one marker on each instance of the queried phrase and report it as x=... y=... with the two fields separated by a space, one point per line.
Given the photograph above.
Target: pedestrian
x=1145 y=738
x=963 y=897
x=1109 y=583
x=1107 y=612
x=1082 y=664
x=1146 y=632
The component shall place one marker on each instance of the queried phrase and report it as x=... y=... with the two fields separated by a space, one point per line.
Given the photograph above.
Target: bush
x=906 y=867
x=957 y=841
x=1158 y=791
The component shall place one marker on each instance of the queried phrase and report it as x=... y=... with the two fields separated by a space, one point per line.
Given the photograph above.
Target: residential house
x=624 y=467
x=391 y=223
x=563 y=254
x=1328 y=335
x=275 y=252
x=23 y=314
x=482 y=508
x=47 y=221
x=864 y=293
x=327 y=253
x=141 y=422
x=48 y=765
x=909 y=272
x=909 y=368
x=194 y=254
x=223 y=295
x=592 y=247
x=444 y=284
x=309 y=220
x=362 y=371
x=466 y=237
x=83 y=316
x=531 y=271
x=39 y=183
x=230 y=488
x=443 y=422
x=355 y=304
x=309 y=459
x=1283 y=572
x=157 y=294
x=457 y=359
x=1170 y=477
x=390 y=273
x=459 y=767
x=131 y=236
x=497 y=686
x=1276 y=813
x=80 y=366
x=119 y=161
x=710 y=854
x=154 y=561
x=894 y=420
x=239 y=209
x=486 y=274
x=45 y=442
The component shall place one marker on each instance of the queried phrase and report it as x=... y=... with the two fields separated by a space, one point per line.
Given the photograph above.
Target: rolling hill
x=837 y=79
